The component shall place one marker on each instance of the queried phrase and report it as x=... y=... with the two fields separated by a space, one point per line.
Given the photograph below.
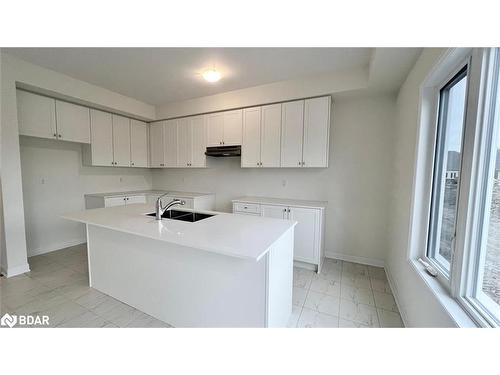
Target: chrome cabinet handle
x=132 y=163
x=55 y=135
x=60 y=136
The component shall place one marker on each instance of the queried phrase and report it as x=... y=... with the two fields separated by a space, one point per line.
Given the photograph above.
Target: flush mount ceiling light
x=211 y=75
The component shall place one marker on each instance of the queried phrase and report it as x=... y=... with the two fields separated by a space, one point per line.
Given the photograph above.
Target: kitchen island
x=222 y=271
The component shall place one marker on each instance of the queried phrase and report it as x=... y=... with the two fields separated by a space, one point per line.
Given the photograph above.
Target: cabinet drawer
x=252 y=208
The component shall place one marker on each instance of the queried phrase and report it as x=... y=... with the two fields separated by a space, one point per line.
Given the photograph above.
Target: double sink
x=183 y=215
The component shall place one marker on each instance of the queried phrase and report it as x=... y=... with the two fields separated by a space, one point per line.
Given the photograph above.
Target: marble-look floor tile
x=75 y=290
x=302 y=278
x=355 y=268
x=356 y=280
x=294 y=317
x=380 y=285
x=385 y=301
x=326 y=286
x=358 y=312
x=389 y=319
x=18 y=285
x=63 y=313
x=91 y=298
x=322 y=303
x=331 y=265
x=315 y=319
x=343 y=323
x=357 y=295
x=299 y=296
x=86 y=320
x=43 y=301
x=377 y=273
x=146 y=321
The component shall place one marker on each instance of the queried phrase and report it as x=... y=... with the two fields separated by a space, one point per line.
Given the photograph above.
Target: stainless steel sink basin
x=183 y=215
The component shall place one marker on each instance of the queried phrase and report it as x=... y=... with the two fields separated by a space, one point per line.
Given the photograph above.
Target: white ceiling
x=161 y=75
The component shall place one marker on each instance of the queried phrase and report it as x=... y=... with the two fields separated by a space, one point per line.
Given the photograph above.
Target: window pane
x=488 y=282
x=447 y=169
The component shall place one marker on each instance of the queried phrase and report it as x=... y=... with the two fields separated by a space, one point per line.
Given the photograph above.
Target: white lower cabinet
x=309 y=234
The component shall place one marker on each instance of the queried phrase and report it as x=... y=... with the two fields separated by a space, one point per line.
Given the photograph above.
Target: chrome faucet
x=160 y=209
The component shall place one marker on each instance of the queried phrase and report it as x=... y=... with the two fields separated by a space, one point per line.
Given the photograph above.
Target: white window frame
x=438 y=261
x=462 y=309
x=475 y=227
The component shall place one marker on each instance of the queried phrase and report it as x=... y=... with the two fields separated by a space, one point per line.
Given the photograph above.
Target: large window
x=485 y=252
x=448 y=156
x=458 y=207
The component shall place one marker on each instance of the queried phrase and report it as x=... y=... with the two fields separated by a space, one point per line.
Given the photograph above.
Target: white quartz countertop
x=282 y=202
x=241 y=236
x=184 y=194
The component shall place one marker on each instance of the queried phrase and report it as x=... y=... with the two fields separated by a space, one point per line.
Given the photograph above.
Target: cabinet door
x=199 y=144
x=184 y=143
x=36 y=115
x=157 y=156
x=277 y=212
x=138 y=144
x=115 y=201
x=250 y=145
x=270 y=146
x=121 y=141
x=215 y=129
x=292 y=132
x=136 y=199
x=170 y=143
x=101 y=126
x=73 y=122
x=233 y=126
x=316 y=132
x=306 y=233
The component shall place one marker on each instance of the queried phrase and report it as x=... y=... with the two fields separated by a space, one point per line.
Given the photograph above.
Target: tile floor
x=57 y=286
x=343 y=295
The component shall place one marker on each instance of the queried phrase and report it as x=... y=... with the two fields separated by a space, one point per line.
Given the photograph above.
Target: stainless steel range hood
x=223 y=151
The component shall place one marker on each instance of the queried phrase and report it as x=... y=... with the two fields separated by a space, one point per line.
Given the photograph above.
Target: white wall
x=54 y=183
x=356 y=184
x=17 y=72
x=417 y=303
x=353 y=79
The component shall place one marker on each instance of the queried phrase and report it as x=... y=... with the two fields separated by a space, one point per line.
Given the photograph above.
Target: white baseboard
x=14 y=271
x=395 y=293
x=55 y=247
x=355 y=259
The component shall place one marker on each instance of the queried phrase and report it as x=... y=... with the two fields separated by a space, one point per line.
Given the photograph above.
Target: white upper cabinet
x=121 y=141
x=156 y=149
x=73 y=122
x=191 y=142
x=250 y=146
x=292 y=133
x=36 y=115
x=101 y=125
x=170 y=143
x=225 y=128
x=138 y=144
x=184 y=145
x=199 y=142
x=215 y=127
x=233 y=123
x=270 y=146
x=316 y=132
x=261 y=143
x=305 y=126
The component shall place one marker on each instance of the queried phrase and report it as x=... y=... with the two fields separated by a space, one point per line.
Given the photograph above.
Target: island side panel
x=181 y=286
x=280 y=280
